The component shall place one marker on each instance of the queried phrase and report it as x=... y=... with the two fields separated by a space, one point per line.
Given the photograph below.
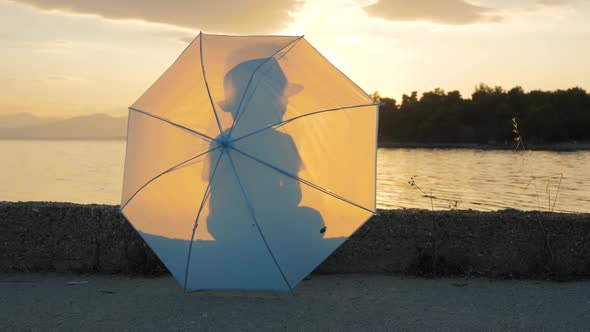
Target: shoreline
x=558 y=147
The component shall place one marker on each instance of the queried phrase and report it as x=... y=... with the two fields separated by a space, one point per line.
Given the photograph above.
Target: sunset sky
x=67 y=58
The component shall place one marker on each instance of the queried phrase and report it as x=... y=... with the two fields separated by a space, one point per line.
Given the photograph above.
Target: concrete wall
x=37 y=236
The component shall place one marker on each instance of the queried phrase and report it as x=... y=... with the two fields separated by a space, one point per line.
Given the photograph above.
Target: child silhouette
x=272 y=195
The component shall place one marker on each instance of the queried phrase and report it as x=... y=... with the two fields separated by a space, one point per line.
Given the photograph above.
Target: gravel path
x=45 y=301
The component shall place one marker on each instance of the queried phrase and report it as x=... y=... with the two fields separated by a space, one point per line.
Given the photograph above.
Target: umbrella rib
x=173 y=168
x=207 y=83
x=205 y=197
x=281 y=123
x=294 y=177
x=125 y=169
x=208 y=138
x=251 y=210
x=238 y=113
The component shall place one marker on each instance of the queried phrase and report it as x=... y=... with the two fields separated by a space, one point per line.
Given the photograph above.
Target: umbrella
x=248 y=162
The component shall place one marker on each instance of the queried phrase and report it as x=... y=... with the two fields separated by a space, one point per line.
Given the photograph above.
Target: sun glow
x=73 y=62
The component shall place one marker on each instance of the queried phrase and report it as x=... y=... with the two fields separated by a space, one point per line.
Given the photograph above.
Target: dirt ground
x=351 y=302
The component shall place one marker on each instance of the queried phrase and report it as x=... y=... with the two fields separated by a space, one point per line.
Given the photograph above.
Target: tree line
x=446 y=117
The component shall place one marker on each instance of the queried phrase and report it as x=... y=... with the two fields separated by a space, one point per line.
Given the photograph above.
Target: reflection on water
x=484 y=180
x=64 y=171
x=91 y=172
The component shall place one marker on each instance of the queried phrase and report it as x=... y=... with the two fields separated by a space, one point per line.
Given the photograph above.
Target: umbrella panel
x=296 y=82
x=153 y=147
x=302 y=224
x=229 y=251
x=180 y=94
x=164 y=212
x=326 y=148
x=220 y=54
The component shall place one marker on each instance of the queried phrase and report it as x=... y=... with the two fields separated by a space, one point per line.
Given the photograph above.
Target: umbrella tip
x=225 y=141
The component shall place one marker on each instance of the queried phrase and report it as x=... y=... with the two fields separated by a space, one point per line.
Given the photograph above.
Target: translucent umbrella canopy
x=249 y=161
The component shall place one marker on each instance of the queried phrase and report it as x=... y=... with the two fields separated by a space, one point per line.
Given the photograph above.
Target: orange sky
x=66 y=58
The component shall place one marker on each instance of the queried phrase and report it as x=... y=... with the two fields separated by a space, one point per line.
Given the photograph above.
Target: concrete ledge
x=38 y=236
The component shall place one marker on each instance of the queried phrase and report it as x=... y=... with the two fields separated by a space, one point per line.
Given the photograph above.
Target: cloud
x=56 y=78
x=553 y=2
x=454 y=12
x=562 y=3
x=230 y=16
x=48 y=79
x=59 y=42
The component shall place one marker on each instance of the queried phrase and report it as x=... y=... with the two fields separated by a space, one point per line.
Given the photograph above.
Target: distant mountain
x=96 y=126
x=23 y=120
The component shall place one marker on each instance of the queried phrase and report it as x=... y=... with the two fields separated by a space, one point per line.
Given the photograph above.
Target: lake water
x=91 y=172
